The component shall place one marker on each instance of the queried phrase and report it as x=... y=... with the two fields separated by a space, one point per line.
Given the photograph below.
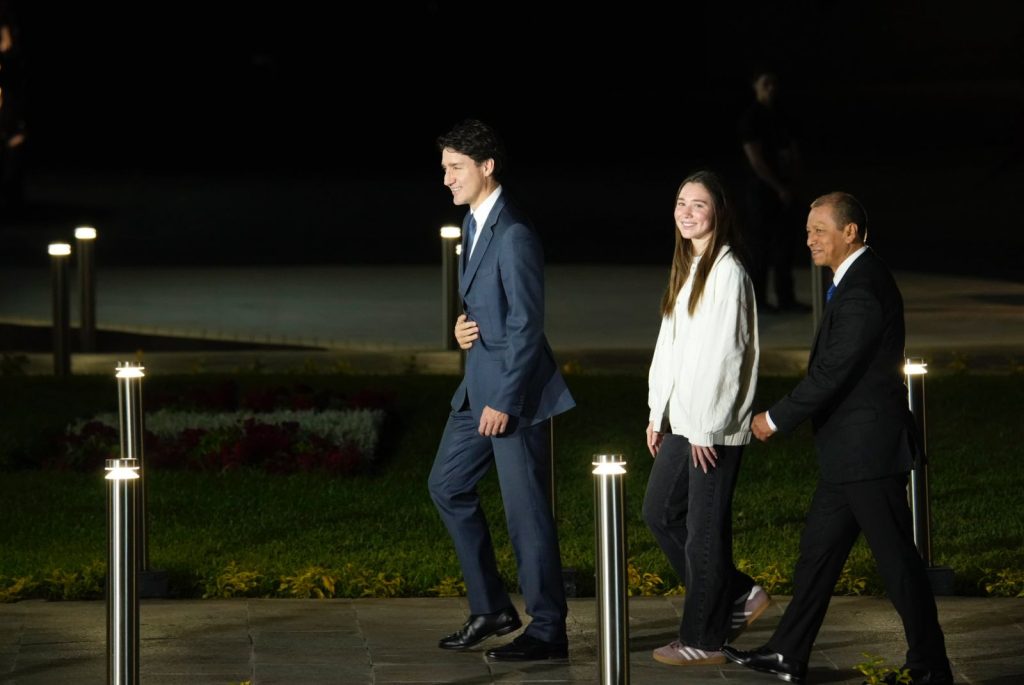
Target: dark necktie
x=830 y=293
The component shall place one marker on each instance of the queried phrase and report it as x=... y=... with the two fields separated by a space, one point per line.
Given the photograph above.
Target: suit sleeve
x=854 y=332
x=521 y=262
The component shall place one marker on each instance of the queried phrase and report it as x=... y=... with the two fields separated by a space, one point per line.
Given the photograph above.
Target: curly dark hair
x=476 y=140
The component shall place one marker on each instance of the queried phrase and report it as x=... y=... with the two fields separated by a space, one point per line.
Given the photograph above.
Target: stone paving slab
x=390 y=641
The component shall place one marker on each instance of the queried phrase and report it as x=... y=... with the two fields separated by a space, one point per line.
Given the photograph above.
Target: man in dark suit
x=864 y=436
x=501 y=411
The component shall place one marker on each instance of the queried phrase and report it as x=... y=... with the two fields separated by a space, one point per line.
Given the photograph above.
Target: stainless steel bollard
x=59 y=253
x=129 y=402
x=915 y=370
x=122 y=573
x=940 y=577
x=451 y=303
x=85 y=236
x=610 y=543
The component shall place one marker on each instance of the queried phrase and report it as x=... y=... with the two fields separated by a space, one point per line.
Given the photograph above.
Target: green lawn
x=377 y=533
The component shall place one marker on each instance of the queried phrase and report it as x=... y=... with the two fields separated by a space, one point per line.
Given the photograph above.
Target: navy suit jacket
x=854 y=393
x=510 y=367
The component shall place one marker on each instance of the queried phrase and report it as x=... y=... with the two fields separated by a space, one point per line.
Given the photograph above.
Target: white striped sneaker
x=675 y=653
x=747 y=609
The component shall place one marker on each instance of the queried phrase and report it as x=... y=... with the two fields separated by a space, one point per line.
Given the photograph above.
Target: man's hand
x=653 y=440
x=492 y=422
x=466 y=332
x=703 y=457
x=762 y=431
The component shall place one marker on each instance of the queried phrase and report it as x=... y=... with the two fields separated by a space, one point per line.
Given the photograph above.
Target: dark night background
x=302 y=133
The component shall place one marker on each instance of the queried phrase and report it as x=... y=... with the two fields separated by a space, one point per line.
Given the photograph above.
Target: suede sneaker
x=676 y=653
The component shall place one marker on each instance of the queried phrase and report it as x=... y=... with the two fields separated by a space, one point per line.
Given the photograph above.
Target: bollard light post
x=915 y=370
x=451 y=304
x=122 y=572
x=129 y=403
x=610 y=552
x=85 y=237
x=152 y=583
x=917 y=490
x=59 y=253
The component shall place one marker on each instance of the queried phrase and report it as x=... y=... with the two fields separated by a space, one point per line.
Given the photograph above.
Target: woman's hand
x=703 y=457
x=653 y=440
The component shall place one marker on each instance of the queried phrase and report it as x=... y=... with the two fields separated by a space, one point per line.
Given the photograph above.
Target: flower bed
x=307 y=435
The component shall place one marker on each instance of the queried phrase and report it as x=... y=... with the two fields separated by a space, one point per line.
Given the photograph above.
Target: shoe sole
x=498 y=633
x=795 y=679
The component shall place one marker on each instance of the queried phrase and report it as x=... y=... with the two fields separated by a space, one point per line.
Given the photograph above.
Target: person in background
x=12 y=110
x=769 y=139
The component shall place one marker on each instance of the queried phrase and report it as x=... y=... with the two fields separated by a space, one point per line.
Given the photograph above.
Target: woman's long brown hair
x=723 y=233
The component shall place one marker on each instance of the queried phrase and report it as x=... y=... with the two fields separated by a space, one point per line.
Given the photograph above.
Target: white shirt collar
x=845 y=266
x=481 y=213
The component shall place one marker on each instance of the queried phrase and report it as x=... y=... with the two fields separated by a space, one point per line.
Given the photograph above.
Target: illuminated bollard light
x=941 y=577
x=152 y=583
x=85 y=236
x=451 y=303
x=59 y=253
x=610 y=543
x=122 y=573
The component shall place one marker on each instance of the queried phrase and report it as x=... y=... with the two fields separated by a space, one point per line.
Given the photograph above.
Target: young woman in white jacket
x=701 y=390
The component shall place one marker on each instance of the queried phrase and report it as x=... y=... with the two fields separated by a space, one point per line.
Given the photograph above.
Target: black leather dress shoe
x=479 y=627
x=527 y=648
x=766 y=661
x=921 y=677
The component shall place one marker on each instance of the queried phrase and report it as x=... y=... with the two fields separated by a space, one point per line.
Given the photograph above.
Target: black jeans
x=690 y=514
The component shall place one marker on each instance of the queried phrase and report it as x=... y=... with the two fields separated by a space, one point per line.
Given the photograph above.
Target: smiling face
x=829 y=242
x=469 y=181
x=695 y=215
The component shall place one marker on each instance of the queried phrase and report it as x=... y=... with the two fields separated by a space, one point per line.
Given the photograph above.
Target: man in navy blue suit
x=501 y=411
x=855 y=399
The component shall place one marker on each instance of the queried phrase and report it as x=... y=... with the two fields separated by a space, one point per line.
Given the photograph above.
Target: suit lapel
x=486 y=233
x=857 y=265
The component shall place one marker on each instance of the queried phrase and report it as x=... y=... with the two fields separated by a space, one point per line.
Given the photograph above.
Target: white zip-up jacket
x=704 y=372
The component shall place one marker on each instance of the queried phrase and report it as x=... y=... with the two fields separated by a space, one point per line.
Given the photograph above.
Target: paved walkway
x=351 y=642
x=599 y=318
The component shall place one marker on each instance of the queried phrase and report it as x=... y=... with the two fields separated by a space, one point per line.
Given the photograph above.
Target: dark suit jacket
x=854 y=393
x=510 y=367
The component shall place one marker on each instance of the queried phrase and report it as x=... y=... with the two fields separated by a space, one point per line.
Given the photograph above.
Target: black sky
x=603 y=112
